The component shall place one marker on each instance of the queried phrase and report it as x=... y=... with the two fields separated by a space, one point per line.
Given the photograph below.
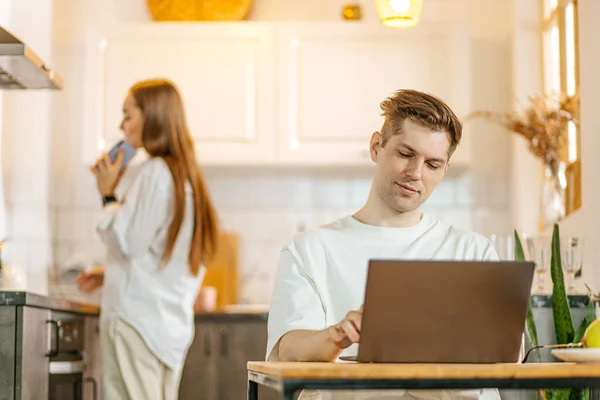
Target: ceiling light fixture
x=399 y=13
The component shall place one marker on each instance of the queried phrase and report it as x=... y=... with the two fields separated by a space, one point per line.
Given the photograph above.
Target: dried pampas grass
x=543 y=125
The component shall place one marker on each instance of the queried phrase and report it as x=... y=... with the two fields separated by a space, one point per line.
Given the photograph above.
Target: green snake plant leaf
x=530 y=328
x=519 y=253
x=590 y=316
x=563 y=323
x=562 y=394
x=578 y=394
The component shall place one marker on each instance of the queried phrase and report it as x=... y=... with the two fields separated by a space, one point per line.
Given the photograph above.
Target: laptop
x=444 y=311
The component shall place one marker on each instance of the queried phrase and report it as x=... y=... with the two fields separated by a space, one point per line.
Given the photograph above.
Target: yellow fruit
x=591 y=338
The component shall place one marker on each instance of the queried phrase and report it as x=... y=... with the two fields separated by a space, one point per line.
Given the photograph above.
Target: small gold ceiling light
x=399 y=13
x=352 y=12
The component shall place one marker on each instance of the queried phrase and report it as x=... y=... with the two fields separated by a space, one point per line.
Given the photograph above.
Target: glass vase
x=553 y=195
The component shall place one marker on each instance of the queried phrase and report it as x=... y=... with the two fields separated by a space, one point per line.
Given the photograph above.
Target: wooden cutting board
x=222 y=271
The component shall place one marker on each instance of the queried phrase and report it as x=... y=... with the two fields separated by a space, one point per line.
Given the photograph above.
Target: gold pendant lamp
x=399 y=13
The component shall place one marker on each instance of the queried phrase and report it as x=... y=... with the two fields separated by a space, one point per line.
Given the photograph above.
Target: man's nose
x=415 y=170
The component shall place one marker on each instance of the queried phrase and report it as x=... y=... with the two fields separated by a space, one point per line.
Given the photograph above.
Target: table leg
x=252 y=390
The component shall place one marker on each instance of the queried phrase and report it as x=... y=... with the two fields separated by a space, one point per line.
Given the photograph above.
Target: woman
x=158 y=238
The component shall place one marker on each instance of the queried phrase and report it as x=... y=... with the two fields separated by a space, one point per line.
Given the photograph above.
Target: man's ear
x=375 y=145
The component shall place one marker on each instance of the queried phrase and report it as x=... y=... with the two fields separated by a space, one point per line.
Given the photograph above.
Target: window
x=561 y=76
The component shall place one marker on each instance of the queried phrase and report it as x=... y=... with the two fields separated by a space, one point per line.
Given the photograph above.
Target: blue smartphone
x=129 y=152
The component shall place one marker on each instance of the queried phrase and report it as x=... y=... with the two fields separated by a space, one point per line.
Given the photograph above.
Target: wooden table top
x=326 y=370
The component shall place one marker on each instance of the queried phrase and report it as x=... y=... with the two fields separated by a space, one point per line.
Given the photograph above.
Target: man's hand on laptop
x=347 y=331
x=323 y=345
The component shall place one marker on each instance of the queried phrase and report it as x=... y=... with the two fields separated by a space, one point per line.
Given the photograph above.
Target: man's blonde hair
x=421 y=108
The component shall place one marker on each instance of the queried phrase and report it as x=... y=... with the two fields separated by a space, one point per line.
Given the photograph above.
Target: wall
x=585 y=221
x=4 y=16
x=275 y=205
x=26 y=120
x=313 y=10
x=527 y=80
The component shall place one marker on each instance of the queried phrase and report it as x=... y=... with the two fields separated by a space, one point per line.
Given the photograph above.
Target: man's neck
x=382 y=215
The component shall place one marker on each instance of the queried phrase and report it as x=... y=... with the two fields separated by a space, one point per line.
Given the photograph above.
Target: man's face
x=409 y=166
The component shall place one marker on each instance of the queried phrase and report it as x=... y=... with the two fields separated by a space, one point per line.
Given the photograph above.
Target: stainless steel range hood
x=21 y=68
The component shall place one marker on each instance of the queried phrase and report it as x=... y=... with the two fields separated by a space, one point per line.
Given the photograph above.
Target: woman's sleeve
x=132 y=226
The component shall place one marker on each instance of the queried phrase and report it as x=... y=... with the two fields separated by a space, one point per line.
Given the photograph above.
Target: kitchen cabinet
x=23 y=346
x=8 y=338
x=223 y=71
x=42 y=348
x=200 y=371
x=31 y=362
x=216 y=362
x=260 y=93
x=333 y=77
x=92 y=376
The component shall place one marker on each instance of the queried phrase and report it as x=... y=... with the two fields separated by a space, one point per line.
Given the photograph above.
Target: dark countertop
x=545 y=301
x=230 y=317
x=14 y=298
x=538 y=301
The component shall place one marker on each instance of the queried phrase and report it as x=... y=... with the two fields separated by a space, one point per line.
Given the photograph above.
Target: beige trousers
x=130 y=371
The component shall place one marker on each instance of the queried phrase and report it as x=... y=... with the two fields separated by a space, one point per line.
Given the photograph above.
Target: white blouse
x=157 y=302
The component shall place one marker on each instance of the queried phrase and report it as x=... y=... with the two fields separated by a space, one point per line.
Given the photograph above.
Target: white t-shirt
x=157 y=302
x=322 y=275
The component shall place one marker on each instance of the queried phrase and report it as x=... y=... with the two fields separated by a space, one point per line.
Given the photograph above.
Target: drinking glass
x=539 y=249
x=571 y=254
x=505 y=246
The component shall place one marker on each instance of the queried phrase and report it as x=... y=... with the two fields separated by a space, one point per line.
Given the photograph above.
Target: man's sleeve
x=295 y=303
x=489 y=252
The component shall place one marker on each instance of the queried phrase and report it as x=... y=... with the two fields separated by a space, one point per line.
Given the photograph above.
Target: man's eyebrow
x=407 y=147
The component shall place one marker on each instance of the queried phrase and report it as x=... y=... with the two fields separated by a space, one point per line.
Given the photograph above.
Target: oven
x=66 y=356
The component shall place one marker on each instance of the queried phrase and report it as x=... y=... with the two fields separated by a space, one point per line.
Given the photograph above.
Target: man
x=316 y=309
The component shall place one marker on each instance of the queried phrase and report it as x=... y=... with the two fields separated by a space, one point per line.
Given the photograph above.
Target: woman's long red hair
x=166 y=135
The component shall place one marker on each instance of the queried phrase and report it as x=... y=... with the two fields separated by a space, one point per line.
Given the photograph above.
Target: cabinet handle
x=54 y=352
x=94 y=386
x=224 y=342
x=207 y=338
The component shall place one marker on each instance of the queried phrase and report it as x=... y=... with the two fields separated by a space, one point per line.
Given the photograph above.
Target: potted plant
x=566 y=334
x=544 y=125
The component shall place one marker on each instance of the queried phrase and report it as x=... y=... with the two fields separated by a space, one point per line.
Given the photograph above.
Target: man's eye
x=433 y=166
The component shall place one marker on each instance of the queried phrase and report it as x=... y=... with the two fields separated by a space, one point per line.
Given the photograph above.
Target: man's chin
x=403 y=206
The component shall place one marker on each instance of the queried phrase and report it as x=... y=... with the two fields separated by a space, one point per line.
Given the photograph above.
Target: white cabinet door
x=333 y=77
x=223 y=71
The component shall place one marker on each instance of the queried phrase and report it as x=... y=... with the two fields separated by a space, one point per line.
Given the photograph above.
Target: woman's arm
x=90 y=280
x=132 y=225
